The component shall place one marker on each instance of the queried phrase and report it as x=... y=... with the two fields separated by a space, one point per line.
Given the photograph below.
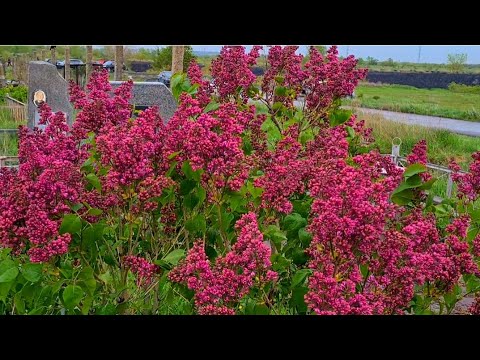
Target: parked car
x=109 y=65
x=165 y=77
x=73 y=62
x=50 y=61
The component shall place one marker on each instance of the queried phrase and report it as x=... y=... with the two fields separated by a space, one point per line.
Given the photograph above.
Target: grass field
x=407 y=99
x=442 y=146
x=8 y=144
x=6 y=121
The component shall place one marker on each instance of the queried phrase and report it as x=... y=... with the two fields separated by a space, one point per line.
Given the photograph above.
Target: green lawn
x=407 y=99
x=8 y=144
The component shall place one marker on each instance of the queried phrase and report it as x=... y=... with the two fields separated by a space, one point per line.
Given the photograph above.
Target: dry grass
x=443 y=145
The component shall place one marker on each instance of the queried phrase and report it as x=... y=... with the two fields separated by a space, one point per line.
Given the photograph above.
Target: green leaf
x=4 y=290
x=254 y=191
x=277 y=105
x=189 y=173
x=261 y=309
x=87 y=304
x=94 y=211
x=339 y=117
x=32 y=272
x=298 y=256
x=450 y=299
x=190 y=201
x=281 y=91
x=414 y=181
x=177 y=85
x=212 y=106
x=77 y=207
x=350 y=132
x=403 y=197
x=427 y=185
x=441 y=209
x=299 y=277
x=197 y=224
x=88 y=282
x=172 y=155
x=279 y=262
x=108 y=309
x=274 y=233
x=298 y=299
x=475 y=215
x=202 y=194
x=174 y=256
x=292 y=223
x=305 y=237
x=364 y=269
x=472 y=283
x=19 y=304
x=236 y=200
x=414 y=169
x=186 y=186
x=71 y=223
x=72 y=295
x=8 y=271
x=94 y=181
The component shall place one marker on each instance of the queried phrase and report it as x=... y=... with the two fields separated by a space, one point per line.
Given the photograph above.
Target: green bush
x=465 y=89
x=17 y=92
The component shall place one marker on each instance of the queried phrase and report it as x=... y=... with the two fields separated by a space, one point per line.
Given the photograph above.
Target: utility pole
x=67 y=64
x=419 y=53
x=177 y=58
x=118 y=63
x=89 y=62
x=53 y=55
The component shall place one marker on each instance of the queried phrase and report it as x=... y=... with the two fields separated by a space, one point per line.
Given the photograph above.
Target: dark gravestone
x=147 y=94
x=43 y=76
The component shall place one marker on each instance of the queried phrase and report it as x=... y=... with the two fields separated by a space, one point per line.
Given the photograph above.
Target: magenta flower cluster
x=219 y=287
x=143 y=269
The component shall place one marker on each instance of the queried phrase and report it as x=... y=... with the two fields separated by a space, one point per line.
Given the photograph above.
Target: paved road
x=463 y=127
x=469 y=128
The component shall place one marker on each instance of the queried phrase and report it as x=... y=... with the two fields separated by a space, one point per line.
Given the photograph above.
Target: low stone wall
x=423 y=80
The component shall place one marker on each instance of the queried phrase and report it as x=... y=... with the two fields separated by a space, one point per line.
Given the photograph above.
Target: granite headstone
x=44 y=76
x=146 y=94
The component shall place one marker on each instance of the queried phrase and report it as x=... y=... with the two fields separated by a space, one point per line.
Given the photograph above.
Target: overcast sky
x=428 y=53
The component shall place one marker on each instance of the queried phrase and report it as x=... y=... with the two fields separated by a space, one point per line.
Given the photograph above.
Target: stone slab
x=44 y=76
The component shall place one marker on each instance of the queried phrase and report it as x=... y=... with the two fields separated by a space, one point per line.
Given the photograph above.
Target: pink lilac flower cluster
x=128 y=148
x=419 y=156
x=231 y=71
x=350 y=211
x=205 y=89
x=37 y=196
x=211 y=141
x=98 y=108
x=220 y=287
x=284 y=174
x=366 y=257
x=469 y=183
x=439 y=261
x=329 y=78
x=285 y=69
x=475 y=307
x=144 y=270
